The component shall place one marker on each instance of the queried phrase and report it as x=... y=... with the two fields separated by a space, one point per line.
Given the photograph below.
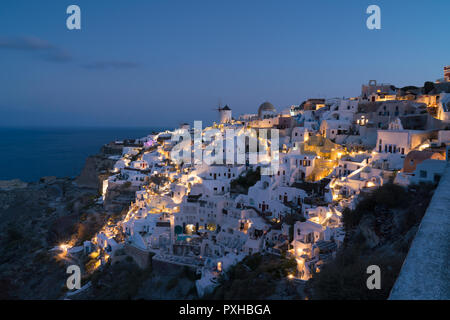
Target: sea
x=31 y=153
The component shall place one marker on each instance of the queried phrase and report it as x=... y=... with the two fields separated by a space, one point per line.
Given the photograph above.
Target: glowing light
x=94 y=254
x=190 y=228
x=64 y=247
x=149 y=143
x=97 y=264
x=370 y=184
x=423 y=146
x=300 y=262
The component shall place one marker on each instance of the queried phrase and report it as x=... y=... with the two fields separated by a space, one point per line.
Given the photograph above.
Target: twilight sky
x=160 y=63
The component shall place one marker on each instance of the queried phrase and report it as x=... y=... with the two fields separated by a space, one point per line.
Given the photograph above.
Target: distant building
x=381 y=113
x=447 y=73
x=313 y=104
x=368 y=91
x=185 y=126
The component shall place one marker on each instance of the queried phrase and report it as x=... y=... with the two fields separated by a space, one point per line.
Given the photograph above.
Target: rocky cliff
x=94 y=167
x=38 y=216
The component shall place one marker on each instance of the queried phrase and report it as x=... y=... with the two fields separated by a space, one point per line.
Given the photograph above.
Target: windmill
x=219 y=108
x=224 y=113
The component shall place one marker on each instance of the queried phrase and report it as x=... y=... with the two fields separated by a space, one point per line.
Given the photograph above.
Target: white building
x=225 y=114
x=397 y=140
x=443 y=112
x=332 y=128
x=430 y=170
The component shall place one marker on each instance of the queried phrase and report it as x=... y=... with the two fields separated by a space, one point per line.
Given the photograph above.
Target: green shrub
x=243 y=183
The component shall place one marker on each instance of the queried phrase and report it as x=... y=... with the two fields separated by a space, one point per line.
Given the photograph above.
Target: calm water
x=29 y=154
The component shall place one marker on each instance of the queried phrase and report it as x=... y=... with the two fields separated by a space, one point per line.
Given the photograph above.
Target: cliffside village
x=330 y=150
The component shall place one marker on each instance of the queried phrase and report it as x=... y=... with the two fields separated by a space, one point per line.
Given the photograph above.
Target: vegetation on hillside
x=120 y=280
x=379 y=232
x=255 y=277
x=244 y=182
x=428 y=87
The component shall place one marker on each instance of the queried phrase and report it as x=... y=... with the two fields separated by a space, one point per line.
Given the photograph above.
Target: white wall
x=428 y=171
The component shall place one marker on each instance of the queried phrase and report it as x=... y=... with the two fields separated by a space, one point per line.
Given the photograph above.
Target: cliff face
x=97 y=167
x=119 y=197
x=94 y=166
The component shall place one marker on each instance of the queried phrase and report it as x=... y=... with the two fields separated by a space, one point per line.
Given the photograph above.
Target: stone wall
x=425 y=274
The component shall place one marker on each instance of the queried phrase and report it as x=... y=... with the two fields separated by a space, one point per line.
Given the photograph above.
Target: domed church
x=266 y=110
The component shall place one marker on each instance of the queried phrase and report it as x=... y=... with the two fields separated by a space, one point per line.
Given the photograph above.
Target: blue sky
x=160 y=63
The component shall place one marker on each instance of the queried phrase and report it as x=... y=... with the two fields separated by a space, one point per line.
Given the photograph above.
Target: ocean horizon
x=29 y=153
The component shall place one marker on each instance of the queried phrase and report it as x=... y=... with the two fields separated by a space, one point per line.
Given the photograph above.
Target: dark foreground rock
x=32 y=221
x=35 y=217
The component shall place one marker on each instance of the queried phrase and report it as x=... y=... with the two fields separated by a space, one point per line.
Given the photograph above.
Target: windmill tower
x=224 y=113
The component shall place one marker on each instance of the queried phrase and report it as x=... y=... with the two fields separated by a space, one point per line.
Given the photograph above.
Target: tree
x=428 y=87
x=158 y=180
